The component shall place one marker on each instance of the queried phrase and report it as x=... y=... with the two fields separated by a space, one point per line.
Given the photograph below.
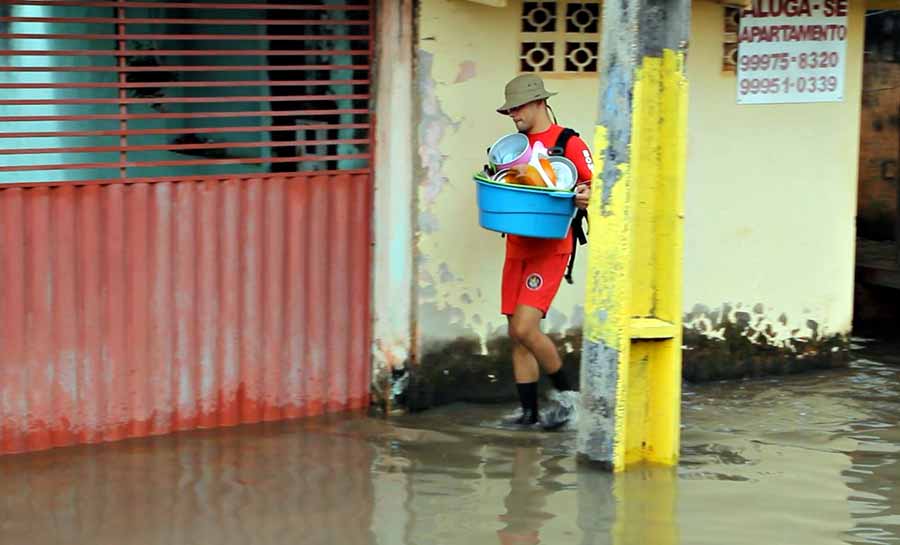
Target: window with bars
x=120 y=89
x=882 y=36
x=560 y=37
x=731 y=26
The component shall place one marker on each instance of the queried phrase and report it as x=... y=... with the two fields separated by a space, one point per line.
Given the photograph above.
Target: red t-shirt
x=518 y=247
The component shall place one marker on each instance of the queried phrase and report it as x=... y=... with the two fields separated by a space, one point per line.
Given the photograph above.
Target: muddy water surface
x=794 y=461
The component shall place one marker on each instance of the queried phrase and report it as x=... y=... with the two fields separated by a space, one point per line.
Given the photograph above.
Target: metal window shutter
x=95 y=91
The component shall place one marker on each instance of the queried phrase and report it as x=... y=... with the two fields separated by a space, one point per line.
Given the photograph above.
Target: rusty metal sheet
x=144 y=308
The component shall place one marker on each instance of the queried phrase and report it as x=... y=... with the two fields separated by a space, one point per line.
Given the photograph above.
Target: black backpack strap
x=579 y=237
x=561 y=142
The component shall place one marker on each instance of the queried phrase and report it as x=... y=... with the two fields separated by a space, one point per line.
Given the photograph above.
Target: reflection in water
x=802 y=460
x=526 y=500
x=255 y=485
x=633 y=508
x=645 y=502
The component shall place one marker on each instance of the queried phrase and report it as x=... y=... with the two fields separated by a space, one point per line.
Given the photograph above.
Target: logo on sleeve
x=534 y=282
x=588 y=160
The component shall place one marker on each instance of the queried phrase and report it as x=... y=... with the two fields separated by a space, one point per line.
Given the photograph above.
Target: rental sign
x=792 y=51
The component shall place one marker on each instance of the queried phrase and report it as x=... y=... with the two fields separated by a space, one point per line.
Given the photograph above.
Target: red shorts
x=532 y=282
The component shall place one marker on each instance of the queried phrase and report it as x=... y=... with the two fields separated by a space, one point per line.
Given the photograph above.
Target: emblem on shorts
x=534 y=282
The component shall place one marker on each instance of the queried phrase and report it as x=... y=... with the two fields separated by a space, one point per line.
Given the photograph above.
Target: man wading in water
x=535 y=267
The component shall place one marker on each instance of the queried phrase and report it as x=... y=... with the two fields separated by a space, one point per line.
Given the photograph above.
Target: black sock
x=528 y=396
x=560 y=380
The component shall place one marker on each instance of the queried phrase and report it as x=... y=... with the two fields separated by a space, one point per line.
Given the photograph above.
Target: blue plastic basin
x=537 y=213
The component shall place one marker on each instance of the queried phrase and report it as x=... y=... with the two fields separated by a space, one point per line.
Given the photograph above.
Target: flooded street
x=801 y=460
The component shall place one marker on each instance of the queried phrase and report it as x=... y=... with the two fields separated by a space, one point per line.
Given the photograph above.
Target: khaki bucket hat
x=522 y=90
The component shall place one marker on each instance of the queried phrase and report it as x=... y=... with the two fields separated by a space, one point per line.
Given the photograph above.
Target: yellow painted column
x=631 y=362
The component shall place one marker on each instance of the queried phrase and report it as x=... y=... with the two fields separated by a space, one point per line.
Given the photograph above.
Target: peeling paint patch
x=432 y=128
x=428 y=222
x=729 y=342
x=427 y=291
x=467 y=71
x=444 y=321
x=444 y=273
x=756 y=326
x=450 y=307
x=615 y=157
x=394 y=355
x=466 y=369
x=733 y=342
x=599 y=415
x=556 y=319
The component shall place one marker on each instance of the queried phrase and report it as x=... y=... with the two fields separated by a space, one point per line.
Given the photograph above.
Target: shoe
x=564 y=410
x=524 y=419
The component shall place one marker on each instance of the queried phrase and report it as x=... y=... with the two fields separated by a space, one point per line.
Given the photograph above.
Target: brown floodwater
x=799 y=460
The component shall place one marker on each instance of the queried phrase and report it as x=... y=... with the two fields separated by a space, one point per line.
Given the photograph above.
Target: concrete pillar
x=392 y=274
x=631 y=362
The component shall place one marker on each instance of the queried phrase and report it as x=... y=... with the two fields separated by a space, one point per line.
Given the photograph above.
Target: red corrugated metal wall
x=139 y=309
x=228 y=289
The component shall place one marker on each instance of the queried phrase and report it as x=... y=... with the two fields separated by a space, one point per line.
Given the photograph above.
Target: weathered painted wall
x=770 y=207
x=770 y=204
x=466 y=54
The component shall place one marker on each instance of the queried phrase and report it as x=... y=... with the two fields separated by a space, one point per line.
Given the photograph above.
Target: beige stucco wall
x=467 y=53
x=770 y=194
